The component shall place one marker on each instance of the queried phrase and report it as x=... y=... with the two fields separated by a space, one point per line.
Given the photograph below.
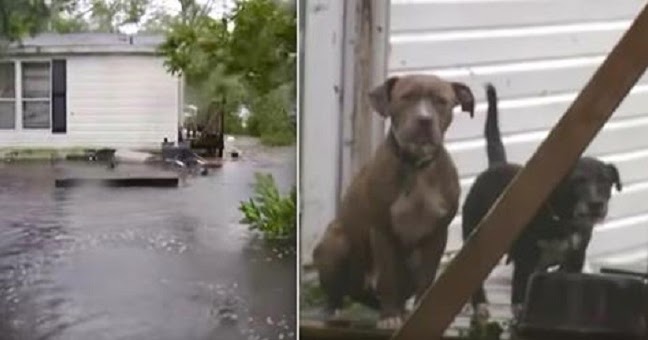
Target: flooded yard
x=142 y=263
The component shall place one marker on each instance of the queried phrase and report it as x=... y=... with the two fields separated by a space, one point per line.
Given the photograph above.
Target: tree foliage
x=246 y=58
x=263 y=44
x=108 y=15
x=19 y=18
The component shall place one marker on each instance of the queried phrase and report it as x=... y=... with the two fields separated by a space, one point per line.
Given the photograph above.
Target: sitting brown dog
x=389 y=235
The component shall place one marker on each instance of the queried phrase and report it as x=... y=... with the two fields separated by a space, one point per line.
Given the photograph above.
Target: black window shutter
x=59 y=96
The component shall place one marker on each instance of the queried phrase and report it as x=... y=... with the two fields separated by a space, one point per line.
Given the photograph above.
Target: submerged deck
x=123 y=175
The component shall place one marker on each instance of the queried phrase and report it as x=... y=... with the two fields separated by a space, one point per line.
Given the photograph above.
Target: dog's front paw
x=392 y=322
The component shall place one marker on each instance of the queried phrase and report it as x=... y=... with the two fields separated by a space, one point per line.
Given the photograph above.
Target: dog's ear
x=464 y=97
x=614 y=175
x=380 y=96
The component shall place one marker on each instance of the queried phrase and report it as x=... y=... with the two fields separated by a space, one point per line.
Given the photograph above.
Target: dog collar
x=416 y=162
x=412 y=162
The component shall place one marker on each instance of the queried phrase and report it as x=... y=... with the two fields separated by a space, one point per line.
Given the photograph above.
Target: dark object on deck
x=212 y=135
x=183 y=156
x=101 y=155
x=234 y=154
x=157 y=182
x=212 y=143
x=105 y=155
x=587 y=306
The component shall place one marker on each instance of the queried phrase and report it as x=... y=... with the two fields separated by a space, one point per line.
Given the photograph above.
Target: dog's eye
x=440 y=101
x=409 y=97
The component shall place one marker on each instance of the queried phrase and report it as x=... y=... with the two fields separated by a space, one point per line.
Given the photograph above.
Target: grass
x=270 y=118
x=279 y=138
x=38 y=153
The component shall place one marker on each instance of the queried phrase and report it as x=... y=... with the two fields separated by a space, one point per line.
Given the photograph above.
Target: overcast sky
x=217 y=5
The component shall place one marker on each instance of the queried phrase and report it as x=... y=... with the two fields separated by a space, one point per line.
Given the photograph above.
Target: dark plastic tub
x=592 y=306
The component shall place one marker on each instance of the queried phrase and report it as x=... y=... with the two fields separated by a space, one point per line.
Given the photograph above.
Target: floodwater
x=142 y=263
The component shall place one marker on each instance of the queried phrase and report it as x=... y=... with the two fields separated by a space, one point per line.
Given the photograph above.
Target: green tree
x=195 y=48
x=262 y=49
x=27 y=17
x=246 y=58
x=263 y=43
x=107 y=15
x=191 y=10
x=221 y=93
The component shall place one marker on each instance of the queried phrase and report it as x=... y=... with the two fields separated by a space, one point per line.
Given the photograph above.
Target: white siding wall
x=320 y=125
x=112 y=101
x=539 y=54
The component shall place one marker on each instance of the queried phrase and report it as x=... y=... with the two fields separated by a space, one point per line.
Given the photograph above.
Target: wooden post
x=364 y=66
x=522 y=198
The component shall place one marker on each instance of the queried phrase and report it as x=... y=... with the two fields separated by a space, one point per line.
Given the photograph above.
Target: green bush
x=270 y=213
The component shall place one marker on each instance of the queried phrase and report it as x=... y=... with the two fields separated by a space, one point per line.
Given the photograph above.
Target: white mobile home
x=87 y=90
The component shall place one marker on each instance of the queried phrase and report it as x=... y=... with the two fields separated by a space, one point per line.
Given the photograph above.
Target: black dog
x=559 y=233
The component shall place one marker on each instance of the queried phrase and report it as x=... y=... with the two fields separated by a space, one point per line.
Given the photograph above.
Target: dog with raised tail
x=561 y=230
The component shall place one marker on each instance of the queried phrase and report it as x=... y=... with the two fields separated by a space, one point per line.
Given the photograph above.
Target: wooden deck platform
x=497 y=288
x=124 y=175
x=316 y=330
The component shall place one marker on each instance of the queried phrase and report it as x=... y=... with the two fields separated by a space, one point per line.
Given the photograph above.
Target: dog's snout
x=425 y=121
x=597 y=207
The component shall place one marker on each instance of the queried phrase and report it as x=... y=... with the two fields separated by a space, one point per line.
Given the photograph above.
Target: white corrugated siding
x=125 y=101
x=539 y=54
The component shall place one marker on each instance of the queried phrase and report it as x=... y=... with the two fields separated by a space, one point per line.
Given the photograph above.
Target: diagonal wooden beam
x=522 y=198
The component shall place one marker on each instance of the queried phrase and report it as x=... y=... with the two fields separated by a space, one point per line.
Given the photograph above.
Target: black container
x=592 y=306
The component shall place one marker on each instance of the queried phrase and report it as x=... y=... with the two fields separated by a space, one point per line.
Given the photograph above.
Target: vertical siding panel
x=124 y=101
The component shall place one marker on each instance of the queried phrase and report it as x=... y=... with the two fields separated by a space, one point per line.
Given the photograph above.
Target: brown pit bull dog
x=389 y=235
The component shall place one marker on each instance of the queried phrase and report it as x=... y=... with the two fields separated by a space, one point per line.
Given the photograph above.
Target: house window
x=7 y=96
x=36 y=104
